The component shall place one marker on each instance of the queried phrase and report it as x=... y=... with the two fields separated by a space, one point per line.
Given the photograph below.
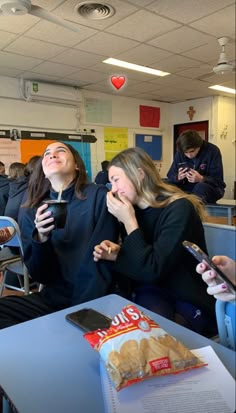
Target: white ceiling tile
x=6 y=38
x=180 y=40
x=105 y=43
x=143 y=55
x=141 y=87
x=195 y=72
x=54 y=69
x=178 y=82
x=218 y=24
x=141 y=3
x=7 y=71
x=187 y=10
x=45 y=30
x=211 y=52
x=17 y=24
x=175 y=63
x=48 y=4
x=88 y=76
x=37 y=77
x=214 y=78
x=78 y=58
x=35 y=48
x=133 y=26
x=17 y=61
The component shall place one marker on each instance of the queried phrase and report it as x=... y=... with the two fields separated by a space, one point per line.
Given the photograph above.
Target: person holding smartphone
x=152 y=266
x=228 y=267
x=197 y=167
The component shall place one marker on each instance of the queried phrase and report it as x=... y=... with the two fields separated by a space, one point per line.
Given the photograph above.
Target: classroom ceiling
x=179 y=37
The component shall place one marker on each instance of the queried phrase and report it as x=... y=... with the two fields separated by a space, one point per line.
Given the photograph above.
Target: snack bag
x=135 y=347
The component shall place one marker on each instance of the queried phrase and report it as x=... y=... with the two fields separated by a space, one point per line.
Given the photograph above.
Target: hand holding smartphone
x=89 y=320
x=184 y=165
x=200 y=256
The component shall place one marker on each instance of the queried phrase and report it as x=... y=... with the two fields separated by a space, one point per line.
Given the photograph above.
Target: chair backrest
x=226 y=322
x=220 y=239
x=15 y=242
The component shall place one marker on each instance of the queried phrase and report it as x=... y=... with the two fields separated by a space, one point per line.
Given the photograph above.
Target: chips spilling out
x=135 y=347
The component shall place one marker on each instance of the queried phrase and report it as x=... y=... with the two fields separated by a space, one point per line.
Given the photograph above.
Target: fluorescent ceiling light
x=223 y=89
x=132 y=66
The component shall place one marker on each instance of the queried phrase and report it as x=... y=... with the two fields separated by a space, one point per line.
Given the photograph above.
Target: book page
x=209 y=389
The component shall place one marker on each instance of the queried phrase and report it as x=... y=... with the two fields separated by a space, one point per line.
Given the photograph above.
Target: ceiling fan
x=22 y=7
x=223 y=65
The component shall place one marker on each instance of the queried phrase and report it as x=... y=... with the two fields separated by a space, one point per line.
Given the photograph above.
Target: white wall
x=219 y=111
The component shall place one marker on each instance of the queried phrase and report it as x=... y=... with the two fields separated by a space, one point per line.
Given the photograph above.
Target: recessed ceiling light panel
x=94 y=11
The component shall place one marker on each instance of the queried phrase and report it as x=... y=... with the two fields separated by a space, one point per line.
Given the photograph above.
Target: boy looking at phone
x=197 y=167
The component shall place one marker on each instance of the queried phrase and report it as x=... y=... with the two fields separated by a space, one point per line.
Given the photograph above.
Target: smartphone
x=89 y=320
x=200 y=255
x=184 y=165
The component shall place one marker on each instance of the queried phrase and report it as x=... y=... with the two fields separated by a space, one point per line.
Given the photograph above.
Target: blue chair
x=226 y=322
x=12 y=258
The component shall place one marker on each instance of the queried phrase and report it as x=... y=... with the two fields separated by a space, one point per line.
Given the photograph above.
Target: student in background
x=152 y=265
x=17 y=189
x=16 y=169
x=197 y=167
x=102 y=176
x=4 y=188
x=62 y=259
x=228 y=267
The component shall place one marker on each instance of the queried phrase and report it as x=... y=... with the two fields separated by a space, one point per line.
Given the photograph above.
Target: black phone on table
x=89 y=320
x=200 y=256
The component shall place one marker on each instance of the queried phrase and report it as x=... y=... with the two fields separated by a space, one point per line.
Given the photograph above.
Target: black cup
x=58 y=210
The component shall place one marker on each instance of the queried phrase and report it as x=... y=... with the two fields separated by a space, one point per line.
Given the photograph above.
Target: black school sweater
x=153 y=253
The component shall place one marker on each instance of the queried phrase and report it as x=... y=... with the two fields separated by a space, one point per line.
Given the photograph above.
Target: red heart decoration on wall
x=118 y=82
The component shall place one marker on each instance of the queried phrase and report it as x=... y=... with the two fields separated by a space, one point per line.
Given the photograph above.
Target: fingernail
x=224 y=287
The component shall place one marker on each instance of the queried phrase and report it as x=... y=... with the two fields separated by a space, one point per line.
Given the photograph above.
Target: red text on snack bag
x=160 y=364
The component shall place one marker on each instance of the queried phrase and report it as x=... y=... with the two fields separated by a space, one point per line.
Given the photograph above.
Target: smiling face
x=121 y=185
x=58 y=161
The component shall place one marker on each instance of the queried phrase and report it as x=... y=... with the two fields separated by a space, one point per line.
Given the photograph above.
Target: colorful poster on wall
x=115 y=141
x=152 y=144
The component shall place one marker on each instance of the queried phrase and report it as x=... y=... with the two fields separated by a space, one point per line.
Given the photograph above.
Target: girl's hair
x=39 y=185
x=188 y=139
x=151 y=188
x=16 y=169
x=29 y=167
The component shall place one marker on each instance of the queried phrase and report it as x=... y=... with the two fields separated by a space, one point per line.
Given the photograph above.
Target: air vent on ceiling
x=94 y=11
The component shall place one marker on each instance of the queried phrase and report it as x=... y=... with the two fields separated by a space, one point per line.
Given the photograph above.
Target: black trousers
x=17 y=309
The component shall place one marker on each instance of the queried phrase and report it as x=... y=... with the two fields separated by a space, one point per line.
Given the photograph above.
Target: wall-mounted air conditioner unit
x=52 y=93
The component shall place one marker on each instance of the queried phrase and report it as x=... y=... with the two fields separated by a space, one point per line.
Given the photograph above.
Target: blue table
x=47 y=366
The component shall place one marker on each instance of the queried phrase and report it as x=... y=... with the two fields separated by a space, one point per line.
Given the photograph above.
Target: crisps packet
x=135 y=347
